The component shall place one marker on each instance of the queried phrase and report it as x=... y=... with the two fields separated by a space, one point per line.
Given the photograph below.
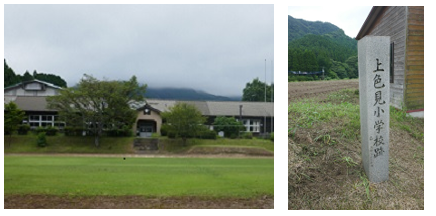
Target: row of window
x=251 y=125
x=44 y=121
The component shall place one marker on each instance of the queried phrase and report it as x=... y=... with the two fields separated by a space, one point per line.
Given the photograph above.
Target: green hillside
x=313 y=46
x=297 y=28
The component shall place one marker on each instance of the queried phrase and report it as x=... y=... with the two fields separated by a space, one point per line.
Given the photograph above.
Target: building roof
x=207 y=108
x=220 y=108
x=30 y=81
x=373 y=16
x=32 y=103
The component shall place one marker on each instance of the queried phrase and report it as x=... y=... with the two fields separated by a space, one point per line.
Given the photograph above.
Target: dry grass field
x=325 y=169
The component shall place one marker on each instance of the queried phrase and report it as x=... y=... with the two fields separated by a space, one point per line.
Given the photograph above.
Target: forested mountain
x=297 y=28
x=11 y=78
x=185 y=94
x=313 y=46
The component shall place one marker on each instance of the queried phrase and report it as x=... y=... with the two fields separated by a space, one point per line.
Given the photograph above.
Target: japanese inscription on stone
x=378 y=125
x=374 y=105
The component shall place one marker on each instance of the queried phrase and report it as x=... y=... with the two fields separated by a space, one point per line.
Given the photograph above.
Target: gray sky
x=348 y=18
x=215 y=48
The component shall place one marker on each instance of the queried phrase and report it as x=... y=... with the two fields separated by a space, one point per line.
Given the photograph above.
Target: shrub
x=41 y=140
x=155 y=135
x=229 y=125
x=23 y=129
x=247 y=135
x=208 y=134
x=272 y=136
x=114 y=132
x=119 y=132
x=69 y=131
x=73 y=131
x=164 y=130
x=171 y=134
x=51 y=131
x=40 y=129
x=8 y=131
x=78 y=131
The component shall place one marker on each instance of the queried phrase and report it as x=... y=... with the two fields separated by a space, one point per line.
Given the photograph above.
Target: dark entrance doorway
x=144 y=128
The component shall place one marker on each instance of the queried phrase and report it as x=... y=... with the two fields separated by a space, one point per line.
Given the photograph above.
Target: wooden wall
x=414 y=95
x=392 y=22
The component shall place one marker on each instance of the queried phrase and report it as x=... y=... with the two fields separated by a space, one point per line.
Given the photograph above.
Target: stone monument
x=374 y=59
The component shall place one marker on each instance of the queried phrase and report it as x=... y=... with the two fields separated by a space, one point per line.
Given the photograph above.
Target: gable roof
x=22 y=84
x=373 y=16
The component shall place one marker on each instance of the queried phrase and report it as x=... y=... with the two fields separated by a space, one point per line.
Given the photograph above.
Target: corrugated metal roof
x=207 y=108
x=220 y=108
x=32 y=103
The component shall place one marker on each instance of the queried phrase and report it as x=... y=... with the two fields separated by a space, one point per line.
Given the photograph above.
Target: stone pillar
x=374 y=58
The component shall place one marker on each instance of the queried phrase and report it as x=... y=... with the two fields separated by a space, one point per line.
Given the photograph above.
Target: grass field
x=161 y=177
x=68 y=144
x=325 y=166
x=173 y=145
x=119 y=145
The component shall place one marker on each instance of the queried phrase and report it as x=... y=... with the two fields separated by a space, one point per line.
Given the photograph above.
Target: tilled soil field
x=133 y=202
x=299 y=90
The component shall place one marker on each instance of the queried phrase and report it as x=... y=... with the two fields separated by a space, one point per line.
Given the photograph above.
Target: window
x=47 y=118
x=391 y=73
x=34 y=118
x=251 y=125
x=33 y=124
x=147 y=111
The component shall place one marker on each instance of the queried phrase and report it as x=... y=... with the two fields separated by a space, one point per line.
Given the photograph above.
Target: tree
x=229 y=125
x=183 y=119
x=10 y=76
x=340 y=69
x=255 y=91
x=353 y=67
x=50 y=78
x=13 y=117
x=96 y=105
x=27 y=77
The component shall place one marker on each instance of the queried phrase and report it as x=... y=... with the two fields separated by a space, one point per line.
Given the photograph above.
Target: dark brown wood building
x=405 y=26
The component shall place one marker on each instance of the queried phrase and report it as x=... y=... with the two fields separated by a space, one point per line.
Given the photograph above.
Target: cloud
x=216 y=48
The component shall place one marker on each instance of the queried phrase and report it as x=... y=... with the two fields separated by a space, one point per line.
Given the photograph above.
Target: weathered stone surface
x=373 y=54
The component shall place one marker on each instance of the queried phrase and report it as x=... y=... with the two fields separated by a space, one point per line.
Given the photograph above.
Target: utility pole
x=272 y=94
x=264 y=120
x=322 y=73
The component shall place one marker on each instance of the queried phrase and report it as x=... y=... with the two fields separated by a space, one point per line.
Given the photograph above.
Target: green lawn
x=175 y=146
x=87 y=176
x=68 y=144
x=118 y=145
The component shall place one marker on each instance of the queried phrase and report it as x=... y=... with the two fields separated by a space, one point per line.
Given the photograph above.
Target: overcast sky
x=348 y=18
x=215 y=48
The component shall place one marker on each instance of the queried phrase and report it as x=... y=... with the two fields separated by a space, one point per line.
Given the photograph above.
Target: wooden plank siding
x=392 y=22
x=414 y=95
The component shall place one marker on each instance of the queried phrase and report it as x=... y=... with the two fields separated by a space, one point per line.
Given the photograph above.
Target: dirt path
x=299 y=90
x=133 y=202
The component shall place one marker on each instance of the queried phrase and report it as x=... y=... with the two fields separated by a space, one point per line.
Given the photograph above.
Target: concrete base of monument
x=416 y=114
